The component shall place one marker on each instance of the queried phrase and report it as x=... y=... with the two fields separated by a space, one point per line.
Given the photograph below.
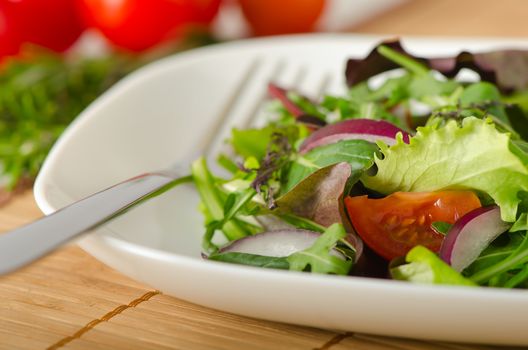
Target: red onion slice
x=282 y=243
x=364 y=129
x=470 y=235
x=273 y=243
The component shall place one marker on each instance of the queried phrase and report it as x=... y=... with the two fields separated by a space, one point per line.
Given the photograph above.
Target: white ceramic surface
x=156 y=116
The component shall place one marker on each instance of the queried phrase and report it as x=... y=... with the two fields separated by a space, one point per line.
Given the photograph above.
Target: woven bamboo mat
x=69 y=300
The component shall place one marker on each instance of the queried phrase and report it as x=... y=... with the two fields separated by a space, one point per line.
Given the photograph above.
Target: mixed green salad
x=422 y=178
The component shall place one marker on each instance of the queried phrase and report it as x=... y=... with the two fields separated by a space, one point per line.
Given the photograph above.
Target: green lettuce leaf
x=471 y=156
x=424 y=266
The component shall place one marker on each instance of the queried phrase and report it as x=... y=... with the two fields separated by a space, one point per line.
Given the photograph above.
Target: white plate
x=156 y=116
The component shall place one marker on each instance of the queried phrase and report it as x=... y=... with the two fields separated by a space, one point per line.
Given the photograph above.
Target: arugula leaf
x=366 y=106
x=424 y=266
x=213 y=203
x=402 y=59
x=497 y=251
x=517 y=278
x=319 y=258
x=484 y=92
x=517 y=258
x=474 y=156
x=518 y=119
x=227 y=163
x=236 y=201
x=358 y=153
x=300 y=222
x=505 y=262
x=428 y=85
x=272 y=262
x=307 y=106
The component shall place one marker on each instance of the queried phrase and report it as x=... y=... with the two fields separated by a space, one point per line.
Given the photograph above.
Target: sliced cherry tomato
x=140 y=24
x=391 y=226
x=272 y=17
x=54 y=24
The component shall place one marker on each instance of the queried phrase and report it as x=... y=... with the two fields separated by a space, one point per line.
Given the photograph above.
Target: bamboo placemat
x=69 y=300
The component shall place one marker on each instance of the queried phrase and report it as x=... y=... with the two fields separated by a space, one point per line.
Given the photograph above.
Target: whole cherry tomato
x=54 y=24
x=140 y=24
x=391 y=226
x=9 y=38
x=272 y=17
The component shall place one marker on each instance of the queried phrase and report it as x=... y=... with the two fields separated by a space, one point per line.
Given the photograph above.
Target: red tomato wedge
x=391 y=226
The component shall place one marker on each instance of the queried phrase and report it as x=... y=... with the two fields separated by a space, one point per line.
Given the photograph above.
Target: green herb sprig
x=39 y=98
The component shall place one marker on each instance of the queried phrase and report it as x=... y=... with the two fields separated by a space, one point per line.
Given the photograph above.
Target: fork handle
x=28 y=243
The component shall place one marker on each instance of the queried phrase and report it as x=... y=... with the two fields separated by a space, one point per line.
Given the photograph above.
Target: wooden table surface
x=69 y=300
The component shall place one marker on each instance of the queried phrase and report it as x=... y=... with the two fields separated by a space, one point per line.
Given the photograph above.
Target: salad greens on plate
x=422 y=177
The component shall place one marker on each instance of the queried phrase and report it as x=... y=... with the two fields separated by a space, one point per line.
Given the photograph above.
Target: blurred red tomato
x=272 y=17
x=54 y=24
x=140 y=24
x=9 y=38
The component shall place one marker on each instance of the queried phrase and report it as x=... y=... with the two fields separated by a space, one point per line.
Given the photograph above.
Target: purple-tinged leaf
x=319 y=196
x=358 y=70
x=508 y=69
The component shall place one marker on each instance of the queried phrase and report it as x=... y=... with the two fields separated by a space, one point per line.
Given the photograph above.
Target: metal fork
x=28 y=243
